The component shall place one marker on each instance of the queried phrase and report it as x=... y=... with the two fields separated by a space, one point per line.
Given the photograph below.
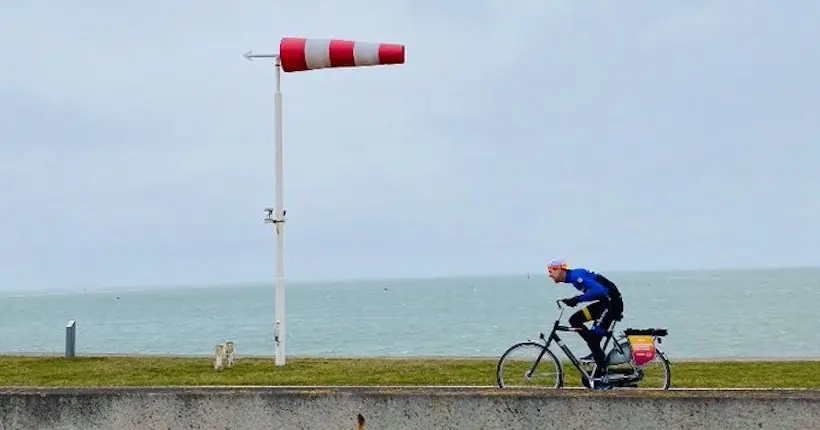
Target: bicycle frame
x=553 y=336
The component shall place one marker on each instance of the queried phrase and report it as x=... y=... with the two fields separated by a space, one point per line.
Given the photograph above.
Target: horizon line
x=235 y=282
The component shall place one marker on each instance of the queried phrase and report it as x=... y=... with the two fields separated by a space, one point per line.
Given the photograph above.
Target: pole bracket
x=272 y=217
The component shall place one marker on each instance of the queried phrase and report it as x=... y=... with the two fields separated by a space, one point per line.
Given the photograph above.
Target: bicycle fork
x=535 y=363
x=540 y=355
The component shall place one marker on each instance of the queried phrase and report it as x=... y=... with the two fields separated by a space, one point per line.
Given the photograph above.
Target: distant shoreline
x=420 y=357
x=295 y=281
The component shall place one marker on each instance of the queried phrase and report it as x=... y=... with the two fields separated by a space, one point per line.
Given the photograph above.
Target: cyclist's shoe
x=601 y=383
x=587 y=359
x=600 y=331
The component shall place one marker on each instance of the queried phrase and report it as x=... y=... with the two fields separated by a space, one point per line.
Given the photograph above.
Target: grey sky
x=136 y=145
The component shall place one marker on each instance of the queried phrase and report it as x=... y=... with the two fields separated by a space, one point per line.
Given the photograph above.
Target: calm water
x=713 y=314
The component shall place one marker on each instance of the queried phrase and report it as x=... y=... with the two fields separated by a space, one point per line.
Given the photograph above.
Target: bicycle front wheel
x=529 y=364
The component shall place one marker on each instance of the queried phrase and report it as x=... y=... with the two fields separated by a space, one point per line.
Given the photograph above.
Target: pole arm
x=250 y=55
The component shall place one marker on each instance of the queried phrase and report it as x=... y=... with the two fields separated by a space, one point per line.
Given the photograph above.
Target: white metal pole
x=277 y=215
x=280 y=223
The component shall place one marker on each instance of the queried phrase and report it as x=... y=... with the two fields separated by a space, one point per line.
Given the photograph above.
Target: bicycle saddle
x=646 y=332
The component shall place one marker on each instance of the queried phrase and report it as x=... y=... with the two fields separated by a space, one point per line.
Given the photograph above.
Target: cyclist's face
x=556 y=274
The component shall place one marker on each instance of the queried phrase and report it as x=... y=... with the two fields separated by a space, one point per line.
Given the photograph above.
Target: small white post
x=229 y=355
x=218 y=357
x=70 y=339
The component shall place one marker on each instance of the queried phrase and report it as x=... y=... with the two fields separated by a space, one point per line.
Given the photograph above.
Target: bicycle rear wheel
x=657 y=374
x=529 y=364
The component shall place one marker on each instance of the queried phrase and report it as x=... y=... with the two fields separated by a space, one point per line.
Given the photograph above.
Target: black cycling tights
x=603 y=312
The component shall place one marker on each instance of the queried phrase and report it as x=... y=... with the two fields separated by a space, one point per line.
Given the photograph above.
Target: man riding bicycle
x=608 y=305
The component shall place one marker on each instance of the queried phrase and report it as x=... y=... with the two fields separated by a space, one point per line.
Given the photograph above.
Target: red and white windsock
x=300 y=54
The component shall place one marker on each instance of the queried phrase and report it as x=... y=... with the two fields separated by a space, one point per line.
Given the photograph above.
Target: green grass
x=150 y=371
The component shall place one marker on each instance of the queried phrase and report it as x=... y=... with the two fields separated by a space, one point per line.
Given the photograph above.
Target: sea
x=773 y=313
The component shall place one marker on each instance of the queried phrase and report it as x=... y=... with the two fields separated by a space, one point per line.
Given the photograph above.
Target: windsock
x=300 y=54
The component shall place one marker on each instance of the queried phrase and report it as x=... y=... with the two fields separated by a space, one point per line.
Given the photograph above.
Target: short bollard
x=70 y=339
x=218 y=356
x=230 y=359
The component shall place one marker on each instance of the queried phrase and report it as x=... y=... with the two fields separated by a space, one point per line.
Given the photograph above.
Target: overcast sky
x=136 y=144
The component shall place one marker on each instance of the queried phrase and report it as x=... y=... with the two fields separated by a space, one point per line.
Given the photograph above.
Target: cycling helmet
x=558 y=263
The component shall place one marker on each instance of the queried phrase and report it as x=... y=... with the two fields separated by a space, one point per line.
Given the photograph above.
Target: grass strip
x=172 y=371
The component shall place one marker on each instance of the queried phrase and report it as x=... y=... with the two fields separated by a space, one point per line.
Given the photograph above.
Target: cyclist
x=608 y=305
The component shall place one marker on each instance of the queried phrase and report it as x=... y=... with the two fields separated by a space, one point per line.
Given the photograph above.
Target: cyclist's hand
x=571 y=301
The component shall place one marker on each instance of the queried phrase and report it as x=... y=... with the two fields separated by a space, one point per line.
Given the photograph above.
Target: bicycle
x=635 y=351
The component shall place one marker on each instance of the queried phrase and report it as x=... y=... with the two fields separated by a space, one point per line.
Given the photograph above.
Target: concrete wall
x=318 y=408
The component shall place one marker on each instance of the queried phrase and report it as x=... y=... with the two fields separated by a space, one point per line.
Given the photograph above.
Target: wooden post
x=229 y=353
x=218 y=357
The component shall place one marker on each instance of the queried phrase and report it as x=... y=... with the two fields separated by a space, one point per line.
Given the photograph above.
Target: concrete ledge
x=402 y=408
